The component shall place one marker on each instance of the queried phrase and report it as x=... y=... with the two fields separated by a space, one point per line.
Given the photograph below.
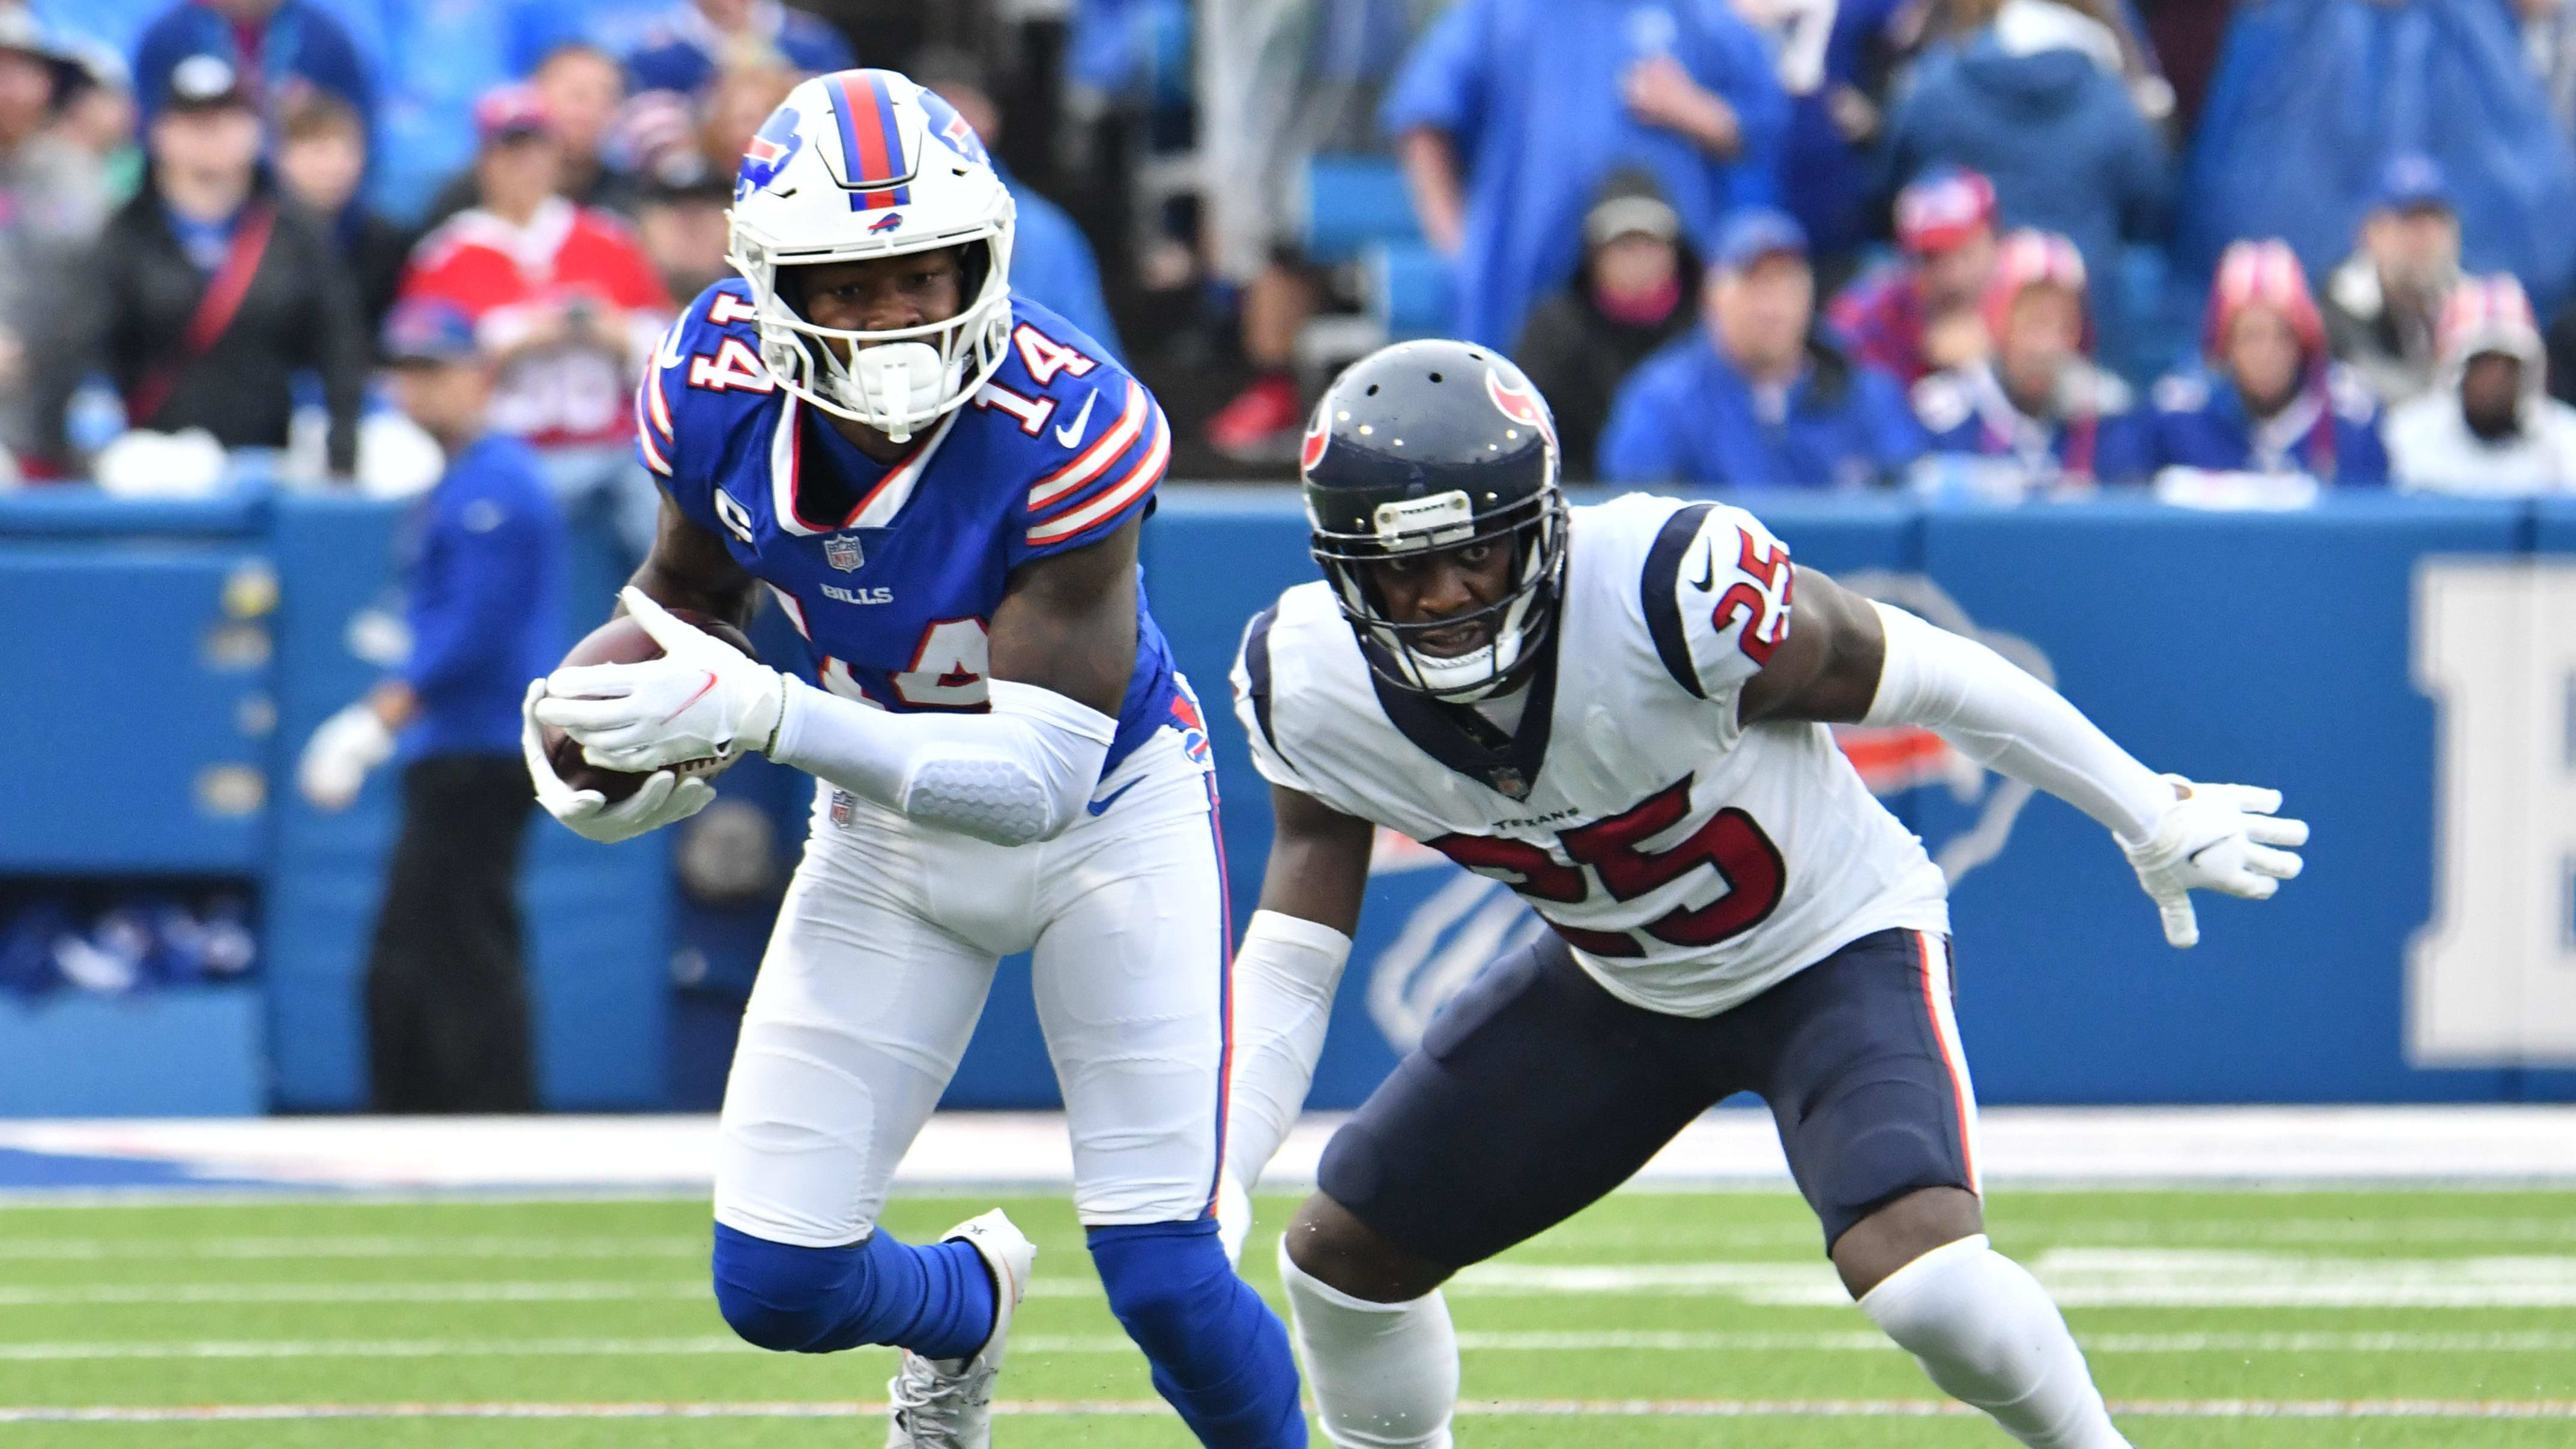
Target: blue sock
x=936 y=1301
x=1220 y=1355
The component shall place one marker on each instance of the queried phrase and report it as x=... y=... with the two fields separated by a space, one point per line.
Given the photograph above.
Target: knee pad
x=782 y=1297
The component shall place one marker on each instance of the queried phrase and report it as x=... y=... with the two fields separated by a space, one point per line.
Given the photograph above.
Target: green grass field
x=2281 y=1320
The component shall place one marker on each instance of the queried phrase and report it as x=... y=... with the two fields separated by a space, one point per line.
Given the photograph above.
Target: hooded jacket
x=2058 y=136
x=2432 y=450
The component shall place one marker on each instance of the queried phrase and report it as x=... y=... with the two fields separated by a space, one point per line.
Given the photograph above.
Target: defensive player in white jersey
x=1617 y=710
x=943 y=485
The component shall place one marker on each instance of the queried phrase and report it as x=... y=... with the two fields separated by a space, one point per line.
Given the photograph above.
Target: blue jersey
x=894 y=583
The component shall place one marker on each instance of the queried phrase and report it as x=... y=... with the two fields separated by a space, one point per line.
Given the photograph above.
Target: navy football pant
x=1536 y=1092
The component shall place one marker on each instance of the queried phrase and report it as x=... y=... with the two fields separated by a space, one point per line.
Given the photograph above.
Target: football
x=623 y=641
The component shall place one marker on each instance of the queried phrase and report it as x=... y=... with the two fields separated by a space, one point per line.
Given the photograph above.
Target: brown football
x=623 y=641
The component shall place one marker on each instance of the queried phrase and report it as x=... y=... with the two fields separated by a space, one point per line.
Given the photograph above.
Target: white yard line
x=330 y=1245
x=1491 y=1408
x=994 y=1151
x=1861 y=1341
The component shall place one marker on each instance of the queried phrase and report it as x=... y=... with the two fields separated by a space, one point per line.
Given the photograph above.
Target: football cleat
x=947 y=1403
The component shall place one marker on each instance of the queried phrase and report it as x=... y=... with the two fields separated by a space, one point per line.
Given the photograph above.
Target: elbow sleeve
x=1017 y=775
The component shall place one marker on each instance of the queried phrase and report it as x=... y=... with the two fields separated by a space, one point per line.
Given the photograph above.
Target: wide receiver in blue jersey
x=942 y=486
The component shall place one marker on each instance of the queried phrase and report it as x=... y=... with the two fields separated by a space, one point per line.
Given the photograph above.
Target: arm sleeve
x=2004 y=719
x=1017 y=775
x=1090 y=496
x=1716 y=593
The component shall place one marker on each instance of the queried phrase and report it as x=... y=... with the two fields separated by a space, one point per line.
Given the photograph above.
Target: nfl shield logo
x=841 y=551
x=845 y=808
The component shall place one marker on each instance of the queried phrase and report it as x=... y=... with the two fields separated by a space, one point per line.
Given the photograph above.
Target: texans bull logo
x=1319 y=432
x=775 y=144
x=1520 y=404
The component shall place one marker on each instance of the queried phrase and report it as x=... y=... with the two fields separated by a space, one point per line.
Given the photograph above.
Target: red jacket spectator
x=534 y=291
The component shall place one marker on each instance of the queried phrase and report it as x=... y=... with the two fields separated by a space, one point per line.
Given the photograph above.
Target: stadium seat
x=1352 y=201
x=1408 y=288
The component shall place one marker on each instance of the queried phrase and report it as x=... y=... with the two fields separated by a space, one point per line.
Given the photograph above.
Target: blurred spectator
x=685 y=47
x=447 y=1000
x=2549 y=45
x=1510 y=113
x=734 y=109
x=51 y=207
x=2488 y=426
x=581 y=89
x=1051 y=260
x=2037 y=98
x=1628 y=298
x=321 y=158
x=685 y=231
x=2269 y=399
x=1757 y=400
x=2310 y=95
x=567 y=304
x=2037 y=408
x=2382 y=304
x=1280 y=84
x=276 y=47
x=209 y=291
x=1834 y=63
x=98 y=119
x=1921 y=314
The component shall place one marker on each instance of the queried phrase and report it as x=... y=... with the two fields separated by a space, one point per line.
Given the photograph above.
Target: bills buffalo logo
x=776 y=144
x=1521 y=405
x=842 y=552
x=1318 y=434
x=885 y=223
x=952 y=130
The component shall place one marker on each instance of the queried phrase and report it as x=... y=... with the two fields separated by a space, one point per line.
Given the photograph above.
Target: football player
x=942 y=486
x=1617 y=710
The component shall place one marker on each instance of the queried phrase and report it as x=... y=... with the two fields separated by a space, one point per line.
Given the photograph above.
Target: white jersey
x=1691 y=861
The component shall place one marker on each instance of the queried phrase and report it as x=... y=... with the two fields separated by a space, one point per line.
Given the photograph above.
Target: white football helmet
x=862 y=164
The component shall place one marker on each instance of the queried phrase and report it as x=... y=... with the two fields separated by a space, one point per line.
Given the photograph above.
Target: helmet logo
x=1520 y=404
x=777 y=143
x=1318 y=434
x=885 y=223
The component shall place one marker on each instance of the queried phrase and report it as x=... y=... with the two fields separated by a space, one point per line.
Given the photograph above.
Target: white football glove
x=2215 y=838
x=702 y=700
x=341 y=751
x=661 y=800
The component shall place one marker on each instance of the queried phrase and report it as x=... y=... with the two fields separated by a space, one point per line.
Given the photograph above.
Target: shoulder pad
x=1941 y=402
x=1715 y=593
x=2181 y=392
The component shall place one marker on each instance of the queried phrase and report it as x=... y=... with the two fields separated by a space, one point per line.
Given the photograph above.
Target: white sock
x=1285 y=973
x=1987 y=1333
x=1385 y=1375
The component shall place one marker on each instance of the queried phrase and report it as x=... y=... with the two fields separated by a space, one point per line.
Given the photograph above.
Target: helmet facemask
x=899 y=381
x=1519 y=620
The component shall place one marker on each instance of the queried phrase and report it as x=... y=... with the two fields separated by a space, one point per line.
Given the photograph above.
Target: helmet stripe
x=871 y=141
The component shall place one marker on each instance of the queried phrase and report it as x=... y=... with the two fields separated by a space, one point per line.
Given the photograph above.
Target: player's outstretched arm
x=1287 y=969
x=1849 y=659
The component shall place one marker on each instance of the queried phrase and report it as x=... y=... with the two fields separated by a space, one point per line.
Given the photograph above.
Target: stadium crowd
x=1981 y=248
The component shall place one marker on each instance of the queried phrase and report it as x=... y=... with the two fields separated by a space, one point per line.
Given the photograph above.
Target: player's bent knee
x=1903 y=1229
x=782 y=1297
x=1330 y=1244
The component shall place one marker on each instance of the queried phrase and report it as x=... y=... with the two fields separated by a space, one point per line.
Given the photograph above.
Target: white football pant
x=878 y=968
